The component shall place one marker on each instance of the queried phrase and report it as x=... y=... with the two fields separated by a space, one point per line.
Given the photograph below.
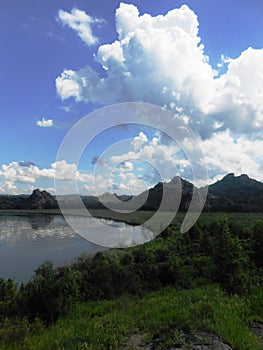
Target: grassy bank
x=160 y=316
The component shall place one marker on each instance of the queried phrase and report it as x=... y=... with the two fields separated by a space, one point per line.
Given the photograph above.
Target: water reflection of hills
x=40 y=221
x=21 y=228
x=14 y=228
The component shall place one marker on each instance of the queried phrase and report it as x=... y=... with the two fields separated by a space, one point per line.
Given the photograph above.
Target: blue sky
x=46 y=86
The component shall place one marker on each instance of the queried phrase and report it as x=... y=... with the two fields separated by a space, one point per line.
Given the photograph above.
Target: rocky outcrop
x=184 y=340
x=257 y=329
x=40 y=200
x=238 y=193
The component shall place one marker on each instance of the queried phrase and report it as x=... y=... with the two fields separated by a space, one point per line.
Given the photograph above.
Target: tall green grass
x=109 y=324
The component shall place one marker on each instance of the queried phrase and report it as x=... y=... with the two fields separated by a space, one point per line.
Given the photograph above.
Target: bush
x=8 y=295
x=257 y=243
x=50 y=293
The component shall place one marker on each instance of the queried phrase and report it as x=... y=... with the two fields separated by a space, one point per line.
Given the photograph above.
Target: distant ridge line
x=231 y=193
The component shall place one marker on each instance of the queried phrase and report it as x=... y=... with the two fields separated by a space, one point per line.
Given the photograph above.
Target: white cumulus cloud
x=81 y=23
x=151 y=53
x=166 y=159
x=139 y=140
x=224 y=153
x=161 y=60
x=65 y=174
x=45 y=123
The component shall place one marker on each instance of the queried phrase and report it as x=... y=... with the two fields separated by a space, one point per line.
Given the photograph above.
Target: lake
x=26 y=241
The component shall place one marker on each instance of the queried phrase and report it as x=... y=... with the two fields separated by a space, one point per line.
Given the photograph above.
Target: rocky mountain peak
x=41 y=200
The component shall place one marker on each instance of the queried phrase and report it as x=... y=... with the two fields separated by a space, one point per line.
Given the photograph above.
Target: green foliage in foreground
x=109 y=324
x=75 y=296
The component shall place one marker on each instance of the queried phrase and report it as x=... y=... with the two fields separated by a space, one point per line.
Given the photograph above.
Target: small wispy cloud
x=81 y=23
x=45 y=123
x=26 y=163
x=100 y=161
x=127 y=165
x=66 y=108
x=55 y=37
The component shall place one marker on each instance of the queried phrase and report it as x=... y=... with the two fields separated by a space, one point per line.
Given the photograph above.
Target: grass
x=245 y=220
x=109 y=324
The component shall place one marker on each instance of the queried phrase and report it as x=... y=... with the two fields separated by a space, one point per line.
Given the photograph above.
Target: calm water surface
x=26 y=241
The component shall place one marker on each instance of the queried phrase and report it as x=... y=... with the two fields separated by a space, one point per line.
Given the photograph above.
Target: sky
x=202 y=60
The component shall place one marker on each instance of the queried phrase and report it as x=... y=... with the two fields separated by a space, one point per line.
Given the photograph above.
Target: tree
x=257 y=243
x=8 y=298
x=229 y=258
x=49 y=294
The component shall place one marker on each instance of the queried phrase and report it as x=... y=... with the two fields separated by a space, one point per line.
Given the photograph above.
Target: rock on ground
x=199 y=341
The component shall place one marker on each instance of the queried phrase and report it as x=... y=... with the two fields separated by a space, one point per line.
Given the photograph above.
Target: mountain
x=40 y=200
x=171 y=191
x=240 y=193
x=37 y=200
x=232 y=193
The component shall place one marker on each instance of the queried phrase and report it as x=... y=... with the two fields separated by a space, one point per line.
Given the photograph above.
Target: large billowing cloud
x=236 y=102
x=155 y=59
x=161 y=60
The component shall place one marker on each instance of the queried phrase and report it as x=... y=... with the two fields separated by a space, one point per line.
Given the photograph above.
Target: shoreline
x=135 y=218
x=139 y=217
